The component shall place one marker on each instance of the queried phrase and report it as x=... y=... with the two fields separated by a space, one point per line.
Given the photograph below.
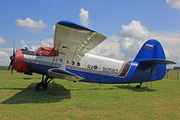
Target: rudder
x=152 y=59
x=151 y=49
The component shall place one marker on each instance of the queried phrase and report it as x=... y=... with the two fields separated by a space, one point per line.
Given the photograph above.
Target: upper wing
x=78 y=39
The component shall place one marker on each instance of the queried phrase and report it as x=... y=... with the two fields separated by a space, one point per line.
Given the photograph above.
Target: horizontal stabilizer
x=158 y=61
x=63 y=74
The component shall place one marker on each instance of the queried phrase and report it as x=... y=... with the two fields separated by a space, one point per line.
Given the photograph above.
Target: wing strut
x=74 y=53
x=64 y=62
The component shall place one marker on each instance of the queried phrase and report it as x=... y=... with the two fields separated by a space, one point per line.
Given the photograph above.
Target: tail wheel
x=41 y=86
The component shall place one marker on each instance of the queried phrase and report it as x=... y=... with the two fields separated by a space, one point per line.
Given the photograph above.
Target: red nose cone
x=19 y=63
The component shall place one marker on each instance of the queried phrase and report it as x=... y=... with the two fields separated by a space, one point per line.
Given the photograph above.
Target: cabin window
x=60 y=60
x=127 y=65
x=78 y=64
x=72 y=63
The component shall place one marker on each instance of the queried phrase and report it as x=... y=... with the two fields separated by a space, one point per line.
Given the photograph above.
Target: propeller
x=12 y=59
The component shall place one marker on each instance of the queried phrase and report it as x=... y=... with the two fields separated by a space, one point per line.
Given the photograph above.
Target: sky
x=127 y=24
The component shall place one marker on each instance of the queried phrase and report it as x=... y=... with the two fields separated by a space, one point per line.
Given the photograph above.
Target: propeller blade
x=10 y=64
x=12 y=71
x=12 y=58
x=8 y=67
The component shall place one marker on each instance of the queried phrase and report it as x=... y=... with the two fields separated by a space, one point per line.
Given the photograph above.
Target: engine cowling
x=19 y=63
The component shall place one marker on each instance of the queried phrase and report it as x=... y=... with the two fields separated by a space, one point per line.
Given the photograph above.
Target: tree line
x=3 y=67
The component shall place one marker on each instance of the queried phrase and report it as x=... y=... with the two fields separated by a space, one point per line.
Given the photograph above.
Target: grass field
x=79 y=101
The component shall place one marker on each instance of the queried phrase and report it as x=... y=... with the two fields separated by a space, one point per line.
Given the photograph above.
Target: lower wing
x=63 y=74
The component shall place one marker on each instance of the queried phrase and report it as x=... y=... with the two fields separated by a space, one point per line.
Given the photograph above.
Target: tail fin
x=152 y=51
x=152 y=54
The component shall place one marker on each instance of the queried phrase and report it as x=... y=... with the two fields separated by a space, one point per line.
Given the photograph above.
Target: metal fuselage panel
x=91 y=67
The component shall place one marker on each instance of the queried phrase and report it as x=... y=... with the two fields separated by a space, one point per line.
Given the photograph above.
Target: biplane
x=68 y=59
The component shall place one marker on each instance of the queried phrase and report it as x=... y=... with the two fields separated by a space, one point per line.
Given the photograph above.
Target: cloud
x=109 y=48
x=46 y=42
x=174 y=3
x=35 y=46
x=4 y=58
x=127 y=48
x=2 y=40
x=29 y=23
x=23 y=42
x=170 y=42
x=6 y=49
x=39 y=43
x=49 y=41
x=53 y=30
x=127 y=45
x=134 y=30
x=84 y=17
x=132 y=38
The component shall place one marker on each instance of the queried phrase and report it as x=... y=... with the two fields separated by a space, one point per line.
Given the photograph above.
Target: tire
x=41 y=86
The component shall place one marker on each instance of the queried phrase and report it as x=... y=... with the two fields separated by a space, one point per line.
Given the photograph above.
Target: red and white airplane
x=69 y=59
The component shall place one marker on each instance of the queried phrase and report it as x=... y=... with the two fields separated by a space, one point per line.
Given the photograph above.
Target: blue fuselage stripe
x=92 y=77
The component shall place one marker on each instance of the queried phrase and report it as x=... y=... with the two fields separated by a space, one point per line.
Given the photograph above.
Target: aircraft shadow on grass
x=133 y=88
x=54 y=93
x=142 y=89
x=27 y=78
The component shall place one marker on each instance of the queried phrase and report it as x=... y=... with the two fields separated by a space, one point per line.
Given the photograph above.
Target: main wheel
x=41 y=86
x=138 y=86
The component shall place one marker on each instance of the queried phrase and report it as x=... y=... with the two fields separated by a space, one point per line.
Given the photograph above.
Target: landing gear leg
x=43 y=84
x=139 y=86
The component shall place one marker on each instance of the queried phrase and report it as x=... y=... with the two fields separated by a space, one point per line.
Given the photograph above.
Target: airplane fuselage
x=92 y=67
x=148 y=65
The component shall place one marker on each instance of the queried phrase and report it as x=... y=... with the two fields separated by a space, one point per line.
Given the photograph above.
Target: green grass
x=67 y=100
